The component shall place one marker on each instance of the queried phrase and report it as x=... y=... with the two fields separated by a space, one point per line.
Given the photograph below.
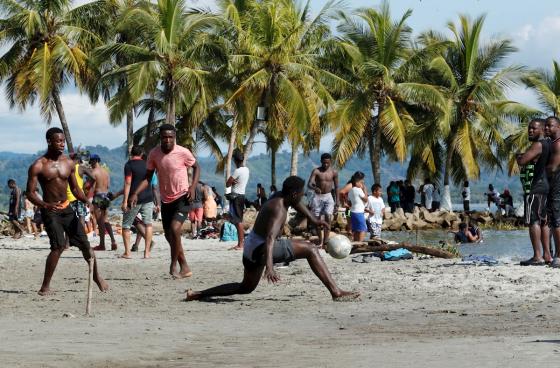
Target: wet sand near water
x=419 y=313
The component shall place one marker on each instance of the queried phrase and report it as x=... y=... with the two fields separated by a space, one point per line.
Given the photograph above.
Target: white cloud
x=538 y=42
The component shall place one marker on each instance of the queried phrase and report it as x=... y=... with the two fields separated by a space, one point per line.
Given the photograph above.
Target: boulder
x=399 y=212
x=387 y=215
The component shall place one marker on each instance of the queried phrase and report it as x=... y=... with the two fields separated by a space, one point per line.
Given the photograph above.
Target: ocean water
x=506 y=246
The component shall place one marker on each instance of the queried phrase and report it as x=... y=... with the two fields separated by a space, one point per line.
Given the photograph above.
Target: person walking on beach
x=196 y=214
x=134 y=174
x=101 y=202
x=14 y=209
x=54 y=172
x=533 y=176
x=323 y=181
x=466 y=194
x=172 y=163
x=238 y=183
x=552 y=129
x=263 y=248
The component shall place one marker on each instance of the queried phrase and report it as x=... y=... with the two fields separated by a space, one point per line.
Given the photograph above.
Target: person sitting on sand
x=54 y=171
x=263 y=248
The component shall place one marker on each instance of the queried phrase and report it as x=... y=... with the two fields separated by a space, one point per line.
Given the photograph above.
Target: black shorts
x=236 y=208
x=466 y=205
x=535 y=209
x=57 y=224
x=177 y=210
x=282 y=251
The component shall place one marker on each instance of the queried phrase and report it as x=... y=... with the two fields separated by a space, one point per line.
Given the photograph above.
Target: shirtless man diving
x=54 y=172
x=263 y=248
x=101 y=201
x=323 y=181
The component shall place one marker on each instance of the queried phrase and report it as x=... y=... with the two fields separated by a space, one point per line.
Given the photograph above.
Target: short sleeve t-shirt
x=429 y=192
x=377 y=205
x=172 y=171
x=136 y=171
x=355 y=197
x=241 y=174
x=466 y=193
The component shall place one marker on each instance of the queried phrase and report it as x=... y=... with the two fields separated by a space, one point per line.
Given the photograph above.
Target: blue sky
x=533 y=26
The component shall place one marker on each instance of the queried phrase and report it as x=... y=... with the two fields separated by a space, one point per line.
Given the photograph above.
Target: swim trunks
x=254 y=251
x=535 y=209
x=79 y=207
x=62 y=222
x=101 y=200
x=236 y=208
x=322 y=204
x=177 y=210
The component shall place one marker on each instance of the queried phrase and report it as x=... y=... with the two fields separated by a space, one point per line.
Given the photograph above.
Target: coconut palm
x=547 y=87
x=474 y=82
x=48 y=44
x=274 y=64
x=171 y=51
x=374 y=114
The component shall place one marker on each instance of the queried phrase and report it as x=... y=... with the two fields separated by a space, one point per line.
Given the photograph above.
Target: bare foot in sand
x=126 y=256
x=182 y=275
x=346 y=296
x=192 y=295
x=45 y=292
x=114 y=246
x=102 y=284
x=237 y=247
x=99 y=248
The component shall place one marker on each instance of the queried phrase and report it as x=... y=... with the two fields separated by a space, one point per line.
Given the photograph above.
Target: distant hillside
x=14 y=165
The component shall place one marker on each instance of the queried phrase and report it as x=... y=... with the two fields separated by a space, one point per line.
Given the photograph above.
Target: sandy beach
x=419 y=313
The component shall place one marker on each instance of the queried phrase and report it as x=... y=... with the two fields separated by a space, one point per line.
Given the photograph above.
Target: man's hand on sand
x=271 y=275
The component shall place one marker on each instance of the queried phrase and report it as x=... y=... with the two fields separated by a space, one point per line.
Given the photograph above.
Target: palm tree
x=274 y=63
x=474 y=82
x=171 y=51
x=48 y=44
x=374 y=114
x=547 y=87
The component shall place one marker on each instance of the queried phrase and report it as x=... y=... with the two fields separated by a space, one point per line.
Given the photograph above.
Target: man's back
x=136 y=170
x=272 y=209
x=101 y=177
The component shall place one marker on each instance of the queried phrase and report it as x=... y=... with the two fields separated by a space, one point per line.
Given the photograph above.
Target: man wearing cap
x=172 y=163
x=238 y=182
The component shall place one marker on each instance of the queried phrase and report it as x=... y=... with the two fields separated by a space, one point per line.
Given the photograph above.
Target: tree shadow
x=13 y=291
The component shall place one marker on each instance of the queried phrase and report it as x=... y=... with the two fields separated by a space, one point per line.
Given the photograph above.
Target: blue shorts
x=358 y=221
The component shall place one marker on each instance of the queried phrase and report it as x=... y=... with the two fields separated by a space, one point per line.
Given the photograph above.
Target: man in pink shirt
x=172 y=162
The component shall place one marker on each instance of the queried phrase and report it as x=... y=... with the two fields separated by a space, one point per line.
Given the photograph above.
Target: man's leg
x=100 y=227
x=250 y=281
x=109 y=229
x=148 y=240
x=50 y=266
x=545 y=241
x=177 y=253
x=126 y=242
x=18 y=229
x=306 y=250
x=535 y=236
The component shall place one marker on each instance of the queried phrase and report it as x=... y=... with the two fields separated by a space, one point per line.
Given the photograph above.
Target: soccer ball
x=339 y=246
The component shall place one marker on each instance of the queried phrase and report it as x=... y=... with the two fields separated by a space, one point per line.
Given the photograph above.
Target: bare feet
x=45 y=292
x=192 y=295
x=346 y=296
x=114 y=246
x=146 y=255
x=126 y=256
x=17 y=235
x=237 y=247
x=182 y=275
x=102 y=284
x=99 y=248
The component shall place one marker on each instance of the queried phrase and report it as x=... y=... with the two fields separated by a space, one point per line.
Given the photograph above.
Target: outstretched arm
x=273 y=229
x=195 y=177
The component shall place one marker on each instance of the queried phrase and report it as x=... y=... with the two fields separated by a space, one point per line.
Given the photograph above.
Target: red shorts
x=196 y=214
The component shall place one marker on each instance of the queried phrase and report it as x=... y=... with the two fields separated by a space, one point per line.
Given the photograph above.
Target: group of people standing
x=540 y=180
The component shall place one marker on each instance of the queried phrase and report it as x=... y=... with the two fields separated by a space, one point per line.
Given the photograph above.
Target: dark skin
x=322 y=181
x=269 y=224
x=538 y=233
x=54 y=172
x=552 y=130
x=17 y=227
x=101 y=185
x=173 y=235
x=240 y=228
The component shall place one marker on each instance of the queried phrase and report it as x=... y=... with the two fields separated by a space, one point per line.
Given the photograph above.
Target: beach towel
x=397 y=255
x=479 y=261
x=228 y=232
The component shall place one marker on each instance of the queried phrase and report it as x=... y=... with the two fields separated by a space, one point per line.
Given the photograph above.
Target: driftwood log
x=381 y=246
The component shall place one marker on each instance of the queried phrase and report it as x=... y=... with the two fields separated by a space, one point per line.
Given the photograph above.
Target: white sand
x=426 y=313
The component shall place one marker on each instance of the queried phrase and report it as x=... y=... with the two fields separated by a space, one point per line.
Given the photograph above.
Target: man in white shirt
x=428 y=190
x=238 y=182
x=466 y=194
x=376 y=209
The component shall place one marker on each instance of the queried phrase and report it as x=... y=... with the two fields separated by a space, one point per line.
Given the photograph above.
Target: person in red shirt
x=172 y=163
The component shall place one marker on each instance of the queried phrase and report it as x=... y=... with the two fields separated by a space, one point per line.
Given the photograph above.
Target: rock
x=388 y=215
x=399 y=212
x=396 y=224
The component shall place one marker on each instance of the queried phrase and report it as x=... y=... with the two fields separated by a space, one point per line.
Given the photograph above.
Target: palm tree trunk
x=294 y=164
x=129 y=130
x=273 y=166
x=63 y=122
x=248 y=147
x=149 y=129
x=231 y=147
x=170 y=116
x=448 y=161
